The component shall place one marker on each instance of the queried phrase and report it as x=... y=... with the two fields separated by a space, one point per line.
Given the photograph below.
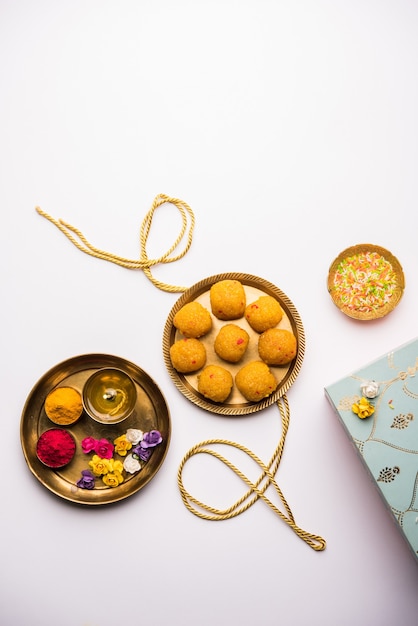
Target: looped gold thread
x=256 y=490
x=144 y=263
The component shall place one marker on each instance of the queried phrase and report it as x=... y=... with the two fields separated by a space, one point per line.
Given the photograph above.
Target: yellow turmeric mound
x=63 y=405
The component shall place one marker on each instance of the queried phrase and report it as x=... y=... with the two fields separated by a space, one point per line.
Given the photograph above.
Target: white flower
x=134 y=435
x=370 y=388
x=131 y=465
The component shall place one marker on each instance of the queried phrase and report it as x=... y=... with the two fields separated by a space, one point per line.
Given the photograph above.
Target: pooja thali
x=366 y=282
x=235 y=404
x=150 y=414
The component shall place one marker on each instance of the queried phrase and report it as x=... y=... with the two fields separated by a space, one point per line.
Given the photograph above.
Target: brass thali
x=366 y=282
x=236 y=404
x=150 y=413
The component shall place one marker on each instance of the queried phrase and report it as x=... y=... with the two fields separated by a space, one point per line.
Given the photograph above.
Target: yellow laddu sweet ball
x=255 y=381
x=231 y=343
x=277 y=346
x=264 y=313
x=188 y=355
x=193 y=320
x=215 y=383
x=227 y=299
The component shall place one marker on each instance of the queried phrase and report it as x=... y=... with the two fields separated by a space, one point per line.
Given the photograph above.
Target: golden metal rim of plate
x=74 y=371
x=241 y=407
x=386 y=307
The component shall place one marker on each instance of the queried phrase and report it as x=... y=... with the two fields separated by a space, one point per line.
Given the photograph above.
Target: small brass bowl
x=109 y=396
x=378 y=289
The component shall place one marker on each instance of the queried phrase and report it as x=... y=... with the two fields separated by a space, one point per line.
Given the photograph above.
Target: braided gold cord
x=143 y=263
x=256 y=490
x=274 y=462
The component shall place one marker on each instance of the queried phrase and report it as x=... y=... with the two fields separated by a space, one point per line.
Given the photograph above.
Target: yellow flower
x=122 y=445
x=363 y=408
x=113 y=479
x=99 y=466
x=115 y=466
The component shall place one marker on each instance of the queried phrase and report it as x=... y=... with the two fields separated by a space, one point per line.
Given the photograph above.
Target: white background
x=290 y=127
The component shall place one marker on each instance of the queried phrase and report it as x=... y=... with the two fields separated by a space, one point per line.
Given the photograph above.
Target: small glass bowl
x=109 y=396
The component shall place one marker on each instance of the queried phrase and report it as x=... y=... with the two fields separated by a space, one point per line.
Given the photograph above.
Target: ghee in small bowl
x=109 y=396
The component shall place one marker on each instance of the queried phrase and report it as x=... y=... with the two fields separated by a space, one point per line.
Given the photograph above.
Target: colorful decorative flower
x=143 y=454
x=134 y=435
x=111 y=470
x=151 y=439
x=115 y=465
x=87 y=480
x=122 y=445
x=131 y=464
x=363 y=408
x=370 y=389
x=99 y=466
x=104 y=448
x=88 y=444
x=113 y=479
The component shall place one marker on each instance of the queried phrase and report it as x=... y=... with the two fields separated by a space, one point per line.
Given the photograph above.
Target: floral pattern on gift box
x=386 y=438
x=388 y=474
x=402 y=421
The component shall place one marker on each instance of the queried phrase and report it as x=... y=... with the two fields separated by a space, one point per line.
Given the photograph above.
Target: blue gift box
x=387 y=440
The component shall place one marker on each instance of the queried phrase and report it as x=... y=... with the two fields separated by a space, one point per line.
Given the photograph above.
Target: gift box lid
x=387 y=437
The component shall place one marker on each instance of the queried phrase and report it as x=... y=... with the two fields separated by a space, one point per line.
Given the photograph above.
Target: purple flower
x=87 y=480
x=151 y=439
x=142 y=453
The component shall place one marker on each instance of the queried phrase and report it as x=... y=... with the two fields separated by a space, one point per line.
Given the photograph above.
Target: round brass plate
x=150 y=413
x=236 y=404
x=369 y=293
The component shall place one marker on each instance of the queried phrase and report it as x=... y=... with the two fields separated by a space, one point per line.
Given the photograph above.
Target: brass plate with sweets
x=366 y=282
x=150 y=413
x=236 y=404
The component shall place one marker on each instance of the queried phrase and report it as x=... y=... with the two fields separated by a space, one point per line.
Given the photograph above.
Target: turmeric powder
x=64 y=406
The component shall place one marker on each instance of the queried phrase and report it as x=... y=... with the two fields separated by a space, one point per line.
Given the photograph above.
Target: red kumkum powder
x=55 y=448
